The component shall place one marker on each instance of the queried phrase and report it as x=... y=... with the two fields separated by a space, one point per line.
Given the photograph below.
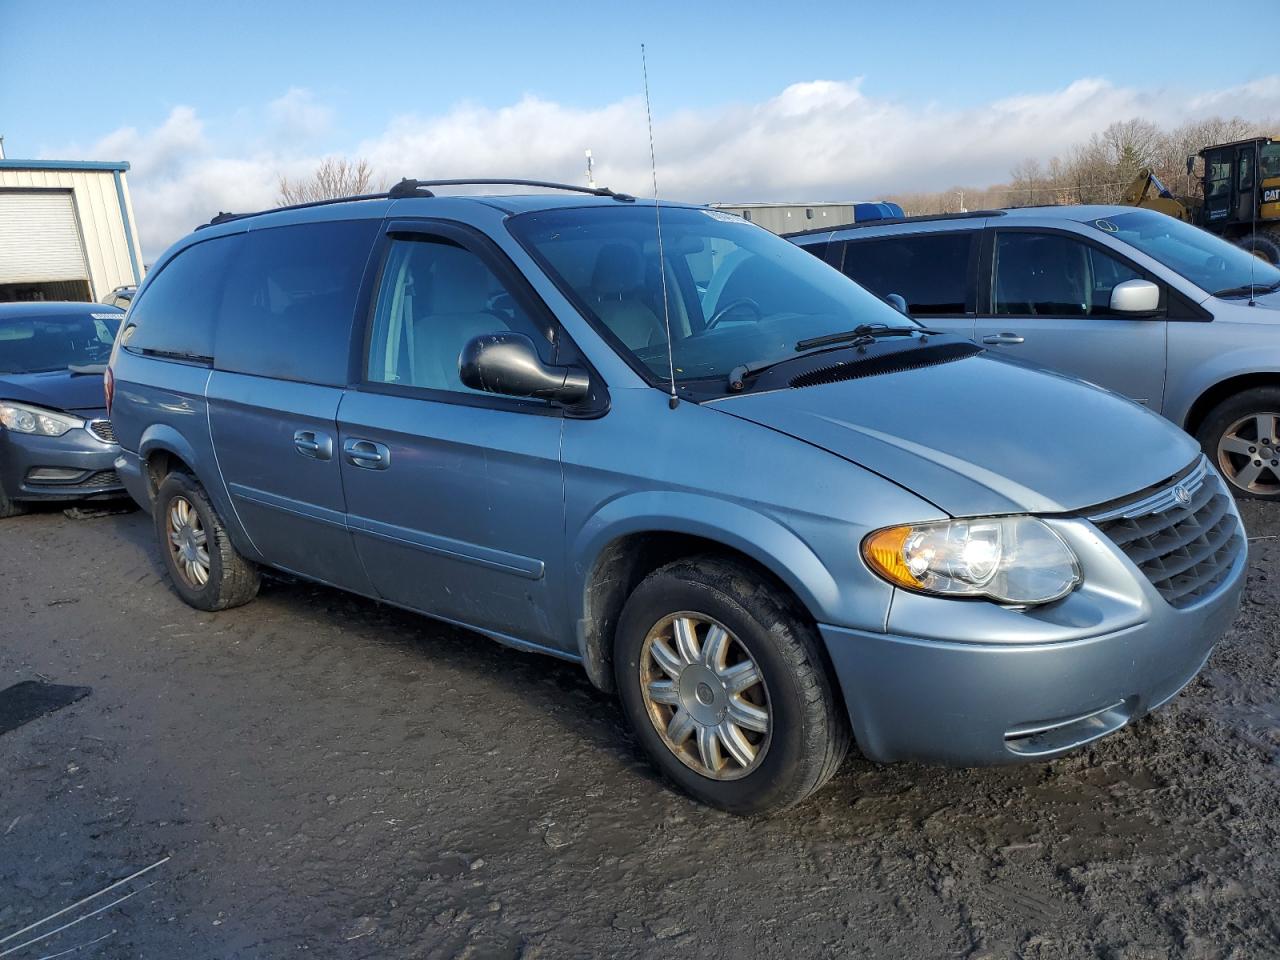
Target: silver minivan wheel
x=188 y=542
x=1249 y=454
x=705 y=695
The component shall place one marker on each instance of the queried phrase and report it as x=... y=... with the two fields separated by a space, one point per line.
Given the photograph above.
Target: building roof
x=103 y=166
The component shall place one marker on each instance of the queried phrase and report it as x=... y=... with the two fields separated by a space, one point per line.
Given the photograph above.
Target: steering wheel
x=734 y=305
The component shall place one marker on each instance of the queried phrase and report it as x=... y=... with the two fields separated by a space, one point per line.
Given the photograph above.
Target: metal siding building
x=789 y=217
x=66 y=230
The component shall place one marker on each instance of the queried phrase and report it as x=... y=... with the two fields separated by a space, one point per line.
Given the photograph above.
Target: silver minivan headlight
x=22 y=418
x=1015 y=560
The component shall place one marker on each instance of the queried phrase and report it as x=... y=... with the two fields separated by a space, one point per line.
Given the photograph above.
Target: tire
x=1263 y=245
x=1232 y=437
x=10 y=508
x=229 y=580
x=807 y=731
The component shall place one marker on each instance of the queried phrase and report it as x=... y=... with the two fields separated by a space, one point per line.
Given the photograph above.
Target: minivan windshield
x=735 y=293
x=44 y=342
x=1208 y=261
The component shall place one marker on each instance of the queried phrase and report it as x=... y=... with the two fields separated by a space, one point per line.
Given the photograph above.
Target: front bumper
x=1002 y=699
x=85 y=466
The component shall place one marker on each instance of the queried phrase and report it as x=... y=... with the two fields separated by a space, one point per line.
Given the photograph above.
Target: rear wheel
x=1242 y=437
x=207 y=571
x=726 y=687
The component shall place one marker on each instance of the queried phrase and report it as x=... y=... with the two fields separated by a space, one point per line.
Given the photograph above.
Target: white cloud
x=821 y=139
x=298 y=114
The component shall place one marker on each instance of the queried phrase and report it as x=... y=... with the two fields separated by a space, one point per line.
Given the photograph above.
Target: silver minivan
x=768 y=510
x=1140 y=303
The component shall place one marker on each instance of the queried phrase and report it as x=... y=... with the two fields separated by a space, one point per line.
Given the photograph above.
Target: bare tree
x=335 y=177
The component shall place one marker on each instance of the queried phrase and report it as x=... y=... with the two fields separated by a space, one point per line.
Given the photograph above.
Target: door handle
x=315 y=445
x=367 y=454
x=1005 y=338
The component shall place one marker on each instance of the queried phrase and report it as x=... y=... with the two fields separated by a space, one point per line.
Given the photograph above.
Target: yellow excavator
x=1240 y=194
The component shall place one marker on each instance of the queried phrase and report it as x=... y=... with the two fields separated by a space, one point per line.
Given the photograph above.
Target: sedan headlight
x=1016 y=560
x=21 y=418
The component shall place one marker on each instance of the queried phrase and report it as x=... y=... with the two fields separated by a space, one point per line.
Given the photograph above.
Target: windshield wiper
x=1248 y=289
x=88 y=368
x=865 y=332
x=860 y=335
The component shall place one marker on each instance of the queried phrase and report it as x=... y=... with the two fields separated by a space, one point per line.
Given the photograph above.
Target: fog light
x=52 y=475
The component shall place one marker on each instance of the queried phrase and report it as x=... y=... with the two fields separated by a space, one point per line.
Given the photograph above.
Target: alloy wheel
x=1249 y=453
x=705 y=695
x=188 y=542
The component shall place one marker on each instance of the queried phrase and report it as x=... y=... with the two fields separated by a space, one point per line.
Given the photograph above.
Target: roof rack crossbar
x=419 y=188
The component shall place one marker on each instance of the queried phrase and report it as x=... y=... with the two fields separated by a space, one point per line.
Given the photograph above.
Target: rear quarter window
x=175 y=314
x=288 y=308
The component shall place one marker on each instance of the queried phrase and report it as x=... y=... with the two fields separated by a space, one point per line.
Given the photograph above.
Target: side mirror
x=898 y=302
x=508 y=363
x=1136 y=298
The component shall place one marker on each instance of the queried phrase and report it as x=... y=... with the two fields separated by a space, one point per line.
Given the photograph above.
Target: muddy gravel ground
x=334 y=778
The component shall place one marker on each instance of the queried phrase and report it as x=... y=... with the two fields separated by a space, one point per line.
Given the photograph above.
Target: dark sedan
x=56 y=442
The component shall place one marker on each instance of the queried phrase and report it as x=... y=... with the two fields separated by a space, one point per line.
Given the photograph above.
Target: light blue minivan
x=806 y=520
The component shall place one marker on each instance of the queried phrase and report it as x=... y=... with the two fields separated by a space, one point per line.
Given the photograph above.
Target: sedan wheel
x=705 y=696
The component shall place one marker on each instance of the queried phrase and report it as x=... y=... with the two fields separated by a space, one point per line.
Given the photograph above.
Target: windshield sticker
x=106 y=316
x=1106 y=225
x=724 y=217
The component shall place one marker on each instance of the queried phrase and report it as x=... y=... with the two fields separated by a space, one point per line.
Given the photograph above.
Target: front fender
x=750 y=532
x=1184 y=391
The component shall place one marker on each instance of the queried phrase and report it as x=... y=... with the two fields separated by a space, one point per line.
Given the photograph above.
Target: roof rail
x=923 y=218
x=418 y=188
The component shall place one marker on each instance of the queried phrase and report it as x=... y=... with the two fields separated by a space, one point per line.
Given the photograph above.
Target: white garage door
x=39 y=237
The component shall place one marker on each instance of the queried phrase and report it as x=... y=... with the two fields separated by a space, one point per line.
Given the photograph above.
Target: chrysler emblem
x=1182 y=495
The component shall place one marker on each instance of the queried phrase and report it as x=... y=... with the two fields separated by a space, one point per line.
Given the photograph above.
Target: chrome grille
x=103 y=430
x=1184 y=537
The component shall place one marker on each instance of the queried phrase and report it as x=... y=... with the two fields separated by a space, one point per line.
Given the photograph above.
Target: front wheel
x=726 y=687
x=1241 y=436
x=1264 y=245
x=9 y=508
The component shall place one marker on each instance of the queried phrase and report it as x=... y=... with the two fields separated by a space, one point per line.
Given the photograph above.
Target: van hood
x=981 y=436
x=55 y=389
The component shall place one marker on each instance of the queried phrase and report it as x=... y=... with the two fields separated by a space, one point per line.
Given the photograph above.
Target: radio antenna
x=1253 y=225
x=674 y=400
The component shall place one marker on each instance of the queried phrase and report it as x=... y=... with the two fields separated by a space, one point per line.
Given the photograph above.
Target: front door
x=1050 y=304
x=454 y=497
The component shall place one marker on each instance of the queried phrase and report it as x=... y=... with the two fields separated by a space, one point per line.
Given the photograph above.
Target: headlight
x=21 y=418
x=1017 y=560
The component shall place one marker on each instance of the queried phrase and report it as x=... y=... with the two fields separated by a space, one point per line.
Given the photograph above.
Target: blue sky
x=229 y=95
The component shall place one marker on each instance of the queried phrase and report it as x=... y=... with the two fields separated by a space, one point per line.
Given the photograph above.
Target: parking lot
x=335 y=778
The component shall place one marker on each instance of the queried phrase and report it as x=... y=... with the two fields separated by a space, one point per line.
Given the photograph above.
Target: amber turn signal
x=883 y=551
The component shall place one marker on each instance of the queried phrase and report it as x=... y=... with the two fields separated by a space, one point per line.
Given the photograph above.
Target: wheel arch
x=160 y=448
x=1223 y=390
x=633 y=536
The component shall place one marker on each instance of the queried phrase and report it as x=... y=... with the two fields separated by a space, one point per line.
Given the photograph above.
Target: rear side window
x=931 y=271
x=290 y=298
x=174 y=317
